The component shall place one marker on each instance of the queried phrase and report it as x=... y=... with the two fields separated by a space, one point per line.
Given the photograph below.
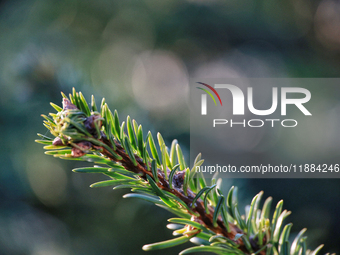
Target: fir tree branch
x=213 y=220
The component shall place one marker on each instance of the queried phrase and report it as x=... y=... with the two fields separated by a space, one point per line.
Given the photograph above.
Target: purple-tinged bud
x=57 y=142
x=178 y=179
x=85 y=146
x=67 y=105
x=90 y=123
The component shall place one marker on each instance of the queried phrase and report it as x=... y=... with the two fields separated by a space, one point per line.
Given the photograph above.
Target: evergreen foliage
x=130 y=160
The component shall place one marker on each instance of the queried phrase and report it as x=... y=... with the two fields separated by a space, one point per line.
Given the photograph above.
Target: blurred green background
x=139 y=55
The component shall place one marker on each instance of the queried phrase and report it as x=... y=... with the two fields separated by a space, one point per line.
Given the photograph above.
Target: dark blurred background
x=139 y=55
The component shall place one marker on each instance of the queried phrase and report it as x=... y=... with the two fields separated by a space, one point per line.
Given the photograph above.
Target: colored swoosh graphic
x=208 y=92
x=213 y=90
